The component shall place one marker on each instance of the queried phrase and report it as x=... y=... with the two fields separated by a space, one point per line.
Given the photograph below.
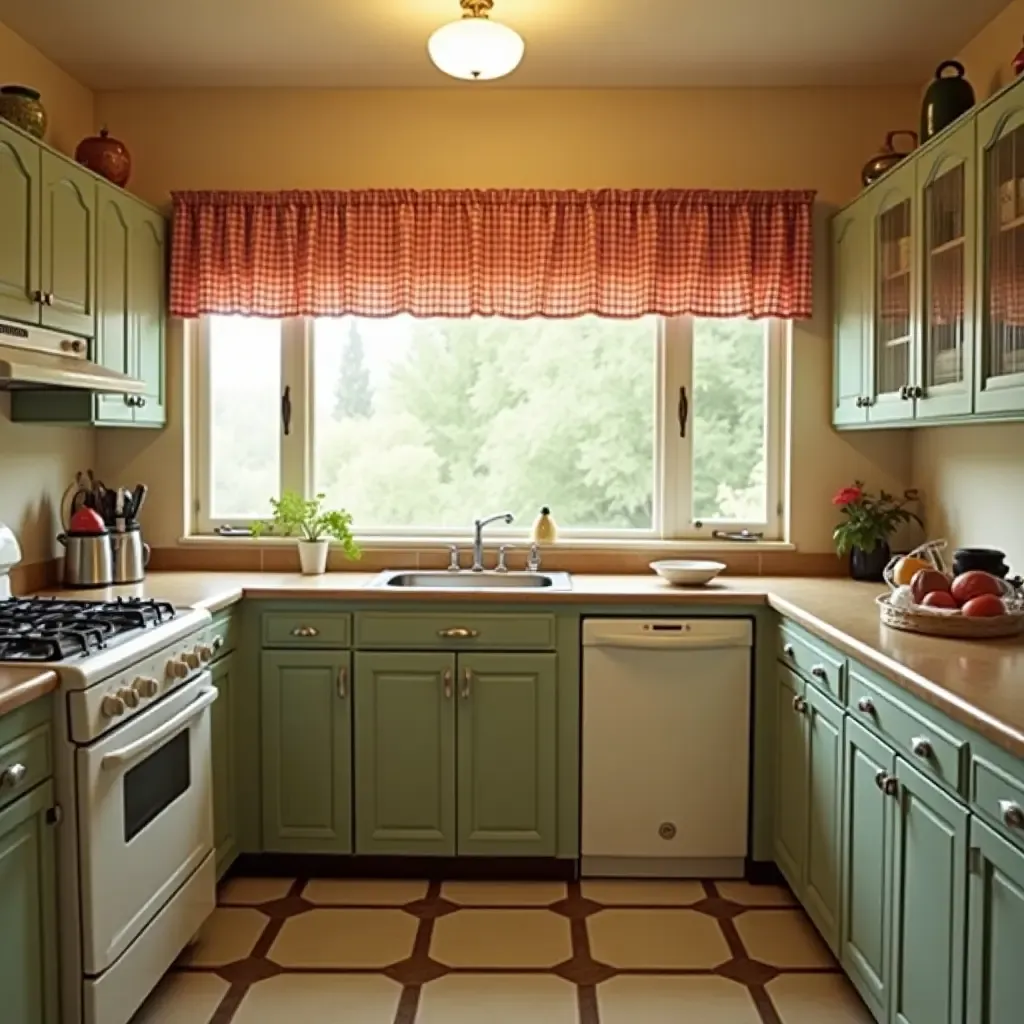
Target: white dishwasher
x=666 y=747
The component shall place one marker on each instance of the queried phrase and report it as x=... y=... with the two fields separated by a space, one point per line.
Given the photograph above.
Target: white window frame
x=672 y=496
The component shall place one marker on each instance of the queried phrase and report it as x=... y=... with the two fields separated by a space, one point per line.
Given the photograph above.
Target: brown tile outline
x=582 y=970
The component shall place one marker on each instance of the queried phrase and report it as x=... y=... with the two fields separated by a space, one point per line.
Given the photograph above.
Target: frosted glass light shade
x=476 y=49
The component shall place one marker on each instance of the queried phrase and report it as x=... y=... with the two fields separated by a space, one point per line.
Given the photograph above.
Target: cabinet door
x=114 y=328
x=929 y=902
x=307 y=752
x=821 y=894
x=28 y=923
x=68 y=247
x=790 y=839
x=995 y=978
x=851 y=312
x=222 y=738
x=405 y=753
x=507 y=775
x=946 y=210
x=893 y=320
x=19 y=215
x=999 y=364
x=868 y=821
x=149 y=309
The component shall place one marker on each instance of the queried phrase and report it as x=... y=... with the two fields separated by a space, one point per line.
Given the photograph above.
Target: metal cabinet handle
x=886 y=783
x=467 y=680
x=13 y=776
x=457 y=633
x=860 y=402
x=342 y=682
x=800 y=705
x=866 y=705
x=922 y=746
x=140 y=402
x=789 y=650
x=1012 y=814
x=446 y=679
x=819 y=672
x=305 y=631
x=39 y=297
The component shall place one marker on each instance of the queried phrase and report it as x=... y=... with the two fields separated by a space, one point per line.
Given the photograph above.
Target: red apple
x=974 y=584
x=928 y=581
x=984 y=606
x=939 y=599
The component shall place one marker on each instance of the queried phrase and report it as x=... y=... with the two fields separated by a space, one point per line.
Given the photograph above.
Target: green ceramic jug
x=947 y=98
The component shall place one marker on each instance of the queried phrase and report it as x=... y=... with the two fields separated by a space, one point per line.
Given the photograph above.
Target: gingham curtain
x=512 y=253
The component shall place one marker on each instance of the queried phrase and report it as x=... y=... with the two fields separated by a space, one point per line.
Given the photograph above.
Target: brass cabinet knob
x=921 y=747
x=800 y=705
x=819 y=672
x=1013 y=814
x=13 y=776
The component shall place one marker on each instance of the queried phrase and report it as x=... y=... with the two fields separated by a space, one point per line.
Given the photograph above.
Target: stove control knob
x=112 y=706
x=205 y=652
x=146 y=686
x=176 y=669
x=191 y=659
x=129 y=696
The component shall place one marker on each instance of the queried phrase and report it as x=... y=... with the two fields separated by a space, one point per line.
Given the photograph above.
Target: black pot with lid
x=888 y=157
x=946 y=99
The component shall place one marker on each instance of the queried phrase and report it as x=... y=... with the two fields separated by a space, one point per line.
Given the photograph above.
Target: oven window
x=155 y=783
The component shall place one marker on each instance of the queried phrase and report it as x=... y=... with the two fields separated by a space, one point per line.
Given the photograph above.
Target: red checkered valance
x=514 y=253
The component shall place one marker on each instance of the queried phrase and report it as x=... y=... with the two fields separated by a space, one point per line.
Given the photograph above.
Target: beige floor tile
x=358 y=892
x=230 y=933
x=622 y=891
x=345 y=938
x=658 y=939
x=321 y=999
x=782 y=938
x=183 y=998
x=497 y=999
x=756 y=895
x=817 y=999
x=663 y=1000
x=504 y=894
x=250 y=892
x=501 y=938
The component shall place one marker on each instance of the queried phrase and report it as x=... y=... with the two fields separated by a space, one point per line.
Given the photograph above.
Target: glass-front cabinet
x=999 y=358
x=946 y=188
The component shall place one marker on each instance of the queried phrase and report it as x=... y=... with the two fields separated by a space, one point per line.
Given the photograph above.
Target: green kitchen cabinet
x=868 y=827
x=307 y=751
x=929 y=902
x=405 y=753
x=148 y=307
x=222 y=740
x=999 y=358
x=507 y=773
x=851 y=311
x=68 y=246
x=28 y=910
x=790 y=836
x=20 y=173
x=995 y=971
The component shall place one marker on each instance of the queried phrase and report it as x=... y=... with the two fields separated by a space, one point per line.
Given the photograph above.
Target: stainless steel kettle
x=88 y=561
x=130 y=554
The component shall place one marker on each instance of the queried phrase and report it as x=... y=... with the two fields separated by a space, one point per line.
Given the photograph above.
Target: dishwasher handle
x=669 y=642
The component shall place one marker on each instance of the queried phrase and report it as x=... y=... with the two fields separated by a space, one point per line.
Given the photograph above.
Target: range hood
x=32 y=358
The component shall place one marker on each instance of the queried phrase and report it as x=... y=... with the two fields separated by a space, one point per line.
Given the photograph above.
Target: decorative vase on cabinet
x=22 y=107
x=868 y=566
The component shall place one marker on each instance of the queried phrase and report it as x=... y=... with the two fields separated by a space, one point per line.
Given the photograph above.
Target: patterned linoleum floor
x=278 y=951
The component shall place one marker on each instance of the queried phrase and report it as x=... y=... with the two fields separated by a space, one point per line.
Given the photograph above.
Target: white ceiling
x=115 y=44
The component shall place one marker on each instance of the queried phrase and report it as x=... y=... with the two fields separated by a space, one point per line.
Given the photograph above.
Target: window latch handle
x=684 y=411
x=286 y=410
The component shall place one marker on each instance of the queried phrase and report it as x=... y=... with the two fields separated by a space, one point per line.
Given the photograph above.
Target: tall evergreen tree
x=353 y=395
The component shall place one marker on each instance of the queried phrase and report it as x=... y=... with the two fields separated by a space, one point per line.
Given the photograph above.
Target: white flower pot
x=313 y=556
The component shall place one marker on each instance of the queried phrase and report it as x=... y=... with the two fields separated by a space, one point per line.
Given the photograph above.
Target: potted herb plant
x=315 y=526
x=869 y=521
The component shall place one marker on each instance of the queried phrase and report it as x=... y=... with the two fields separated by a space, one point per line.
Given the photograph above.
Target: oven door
x=145 y=818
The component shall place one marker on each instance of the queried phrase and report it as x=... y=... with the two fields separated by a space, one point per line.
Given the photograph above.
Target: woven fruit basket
x=898 y=611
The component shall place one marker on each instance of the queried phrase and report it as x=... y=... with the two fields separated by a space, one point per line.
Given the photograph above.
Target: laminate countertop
x=20 y=685
x=977 y=682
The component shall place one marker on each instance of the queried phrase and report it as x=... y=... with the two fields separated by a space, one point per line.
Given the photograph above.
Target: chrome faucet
x=478 y=537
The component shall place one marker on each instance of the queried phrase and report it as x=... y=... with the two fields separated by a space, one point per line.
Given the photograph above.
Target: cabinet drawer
x=306 y=629
x=24 y=763
x=455 y=631
x=813 y=659
x=998 y=797
x=924 y=744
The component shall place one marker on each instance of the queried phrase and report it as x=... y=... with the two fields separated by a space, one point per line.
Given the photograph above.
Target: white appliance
x=666 y=747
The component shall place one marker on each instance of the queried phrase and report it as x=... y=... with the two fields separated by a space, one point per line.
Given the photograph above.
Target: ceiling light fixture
x=474 y=47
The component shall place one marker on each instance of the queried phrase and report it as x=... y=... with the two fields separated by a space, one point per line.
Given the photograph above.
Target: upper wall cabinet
x=938 y=300
x=20 y=172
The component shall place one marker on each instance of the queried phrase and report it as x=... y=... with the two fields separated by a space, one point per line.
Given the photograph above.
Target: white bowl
x=686 y=573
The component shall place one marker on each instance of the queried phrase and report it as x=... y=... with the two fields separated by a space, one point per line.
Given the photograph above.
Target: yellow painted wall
x=37 y=463
x=451 y=138
x=972 y=478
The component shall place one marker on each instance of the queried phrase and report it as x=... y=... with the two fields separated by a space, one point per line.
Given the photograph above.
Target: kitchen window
x=627 y=429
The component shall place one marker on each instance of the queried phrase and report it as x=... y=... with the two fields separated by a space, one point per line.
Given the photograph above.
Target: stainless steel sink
x=463 y=580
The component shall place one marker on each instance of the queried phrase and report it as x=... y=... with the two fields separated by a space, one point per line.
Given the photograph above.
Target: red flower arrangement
x=869 y=520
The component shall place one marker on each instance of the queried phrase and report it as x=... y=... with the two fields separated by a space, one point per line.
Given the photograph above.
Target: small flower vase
x=313 y=556
x=869 y=566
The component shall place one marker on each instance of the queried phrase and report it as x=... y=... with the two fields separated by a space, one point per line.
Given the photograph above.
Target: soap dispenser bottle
x=544 y=529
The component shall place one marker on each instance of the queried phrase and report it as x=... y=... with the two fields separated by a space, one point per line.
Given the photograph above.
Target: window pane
x=245 y=430
x=430 y=423
x=729 y=420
